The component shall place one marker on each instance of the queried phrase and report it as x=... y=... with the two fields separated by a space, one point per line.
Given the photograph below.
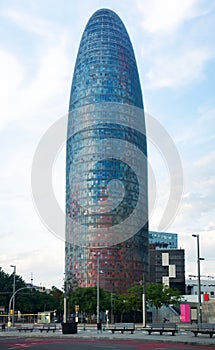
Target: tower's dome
x=105 y=69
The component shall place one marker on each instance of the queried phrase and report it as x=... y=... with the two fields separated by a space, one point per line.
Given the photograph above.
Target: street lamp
x=98 y=283
x=14 y=290
x=65 y=302
x=98 y=272
x=199 y=281
x=111 y=309
x=13 y=297
x=144 y=301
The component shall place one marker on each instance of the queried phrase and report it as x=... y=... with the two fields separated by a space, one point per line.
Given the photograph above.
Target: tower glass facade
x=163 y=240
x=106 y=164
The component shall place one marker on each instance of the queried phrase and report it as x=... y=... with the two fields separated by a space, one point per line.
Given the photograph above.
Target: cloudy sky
x=175 y=51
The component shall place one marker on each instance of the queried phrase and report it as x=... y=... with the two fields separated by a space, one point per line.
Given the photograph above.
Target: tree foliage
x=158 y=294
x=135 y=296
x=86 y=298
x=28 y=300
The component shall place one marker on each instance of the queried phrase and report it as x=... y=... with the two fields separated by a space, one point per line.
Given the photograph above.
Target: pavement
x=183 y=336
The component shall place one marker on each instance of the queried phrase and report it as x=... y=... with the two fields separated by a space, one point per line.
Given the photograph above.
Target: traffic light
x=43 y=289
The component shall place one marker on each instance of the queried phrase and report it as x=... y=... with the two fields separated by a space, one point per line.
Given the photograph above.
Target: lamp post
x=111 y=309
x=144 y=301
x=13 y=297
x=199 y=281
x=14 y=290
x=98 y=283
x=65 y=302
x=98 y=272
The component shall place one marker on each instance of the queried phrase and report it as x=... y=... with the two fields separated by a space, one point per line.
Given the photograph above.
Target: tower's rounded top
x=105 y=11
x=105 y=68
x=107 y=15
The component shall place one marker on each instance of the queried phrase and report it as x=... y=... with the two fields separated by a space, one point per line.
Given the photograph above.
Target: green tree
x=6 y=287
x=86 y=298
x=58 y=296
x=135 y=297
x=122 y=304
x=56 y=293
x=4 y=292
x=27 y=300
x=158 y=294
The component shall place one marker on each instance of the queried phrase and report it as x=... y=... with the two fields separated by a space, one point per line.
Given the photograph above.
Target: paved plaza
x=91 y=333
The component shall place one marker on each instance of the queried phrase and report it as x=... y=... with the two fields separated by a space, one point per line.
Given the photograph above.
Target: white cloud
x=201 y=132
x=32 y=97
x=197 y=207
x=207 y=243
x=52 y=73
x=46 y=264
x=177 y=68
x=12 y=74
x=205 y=160
x=206 y=114
x=34 y=78
x=166 y=16
x=175 y=48
x=33 y=24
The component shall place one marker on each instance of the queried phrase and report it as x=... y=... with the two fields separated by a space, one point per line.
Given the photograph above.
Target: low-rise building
x=207 y=287
x=167 y=266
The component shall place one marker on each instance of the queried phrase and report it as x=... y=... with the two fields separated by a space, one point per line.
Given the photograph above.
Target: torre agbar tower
x=106 y=162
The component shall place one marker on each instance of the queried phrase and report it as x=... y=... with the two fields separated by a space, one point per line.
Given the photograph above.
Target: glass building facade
x=106 y=162
x=163 y=240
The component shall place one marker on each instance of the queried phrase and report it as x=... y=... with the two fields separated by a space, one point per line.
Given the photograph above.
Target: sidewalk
x=182 y=336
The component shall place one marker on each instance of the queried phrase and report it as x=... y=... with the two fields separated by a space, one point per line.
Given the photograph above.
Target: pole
x=64 y=306
x=14 y=290
x=144 y=302
x=13 y=297
x=199 y=281
x=65 y=303
x=98 y=272
x=111 y=308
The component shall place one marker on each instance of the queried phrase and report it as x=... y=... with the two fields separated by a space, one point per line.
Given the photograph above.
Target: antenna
x=32 y=278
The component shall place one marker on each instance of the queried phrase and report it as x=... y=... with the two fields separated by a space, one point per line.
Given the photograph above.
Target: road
x=29 y=343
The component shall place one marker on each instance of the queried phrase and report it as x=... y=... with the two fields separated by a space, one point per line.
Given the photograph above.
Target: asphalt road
x=79 y=344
